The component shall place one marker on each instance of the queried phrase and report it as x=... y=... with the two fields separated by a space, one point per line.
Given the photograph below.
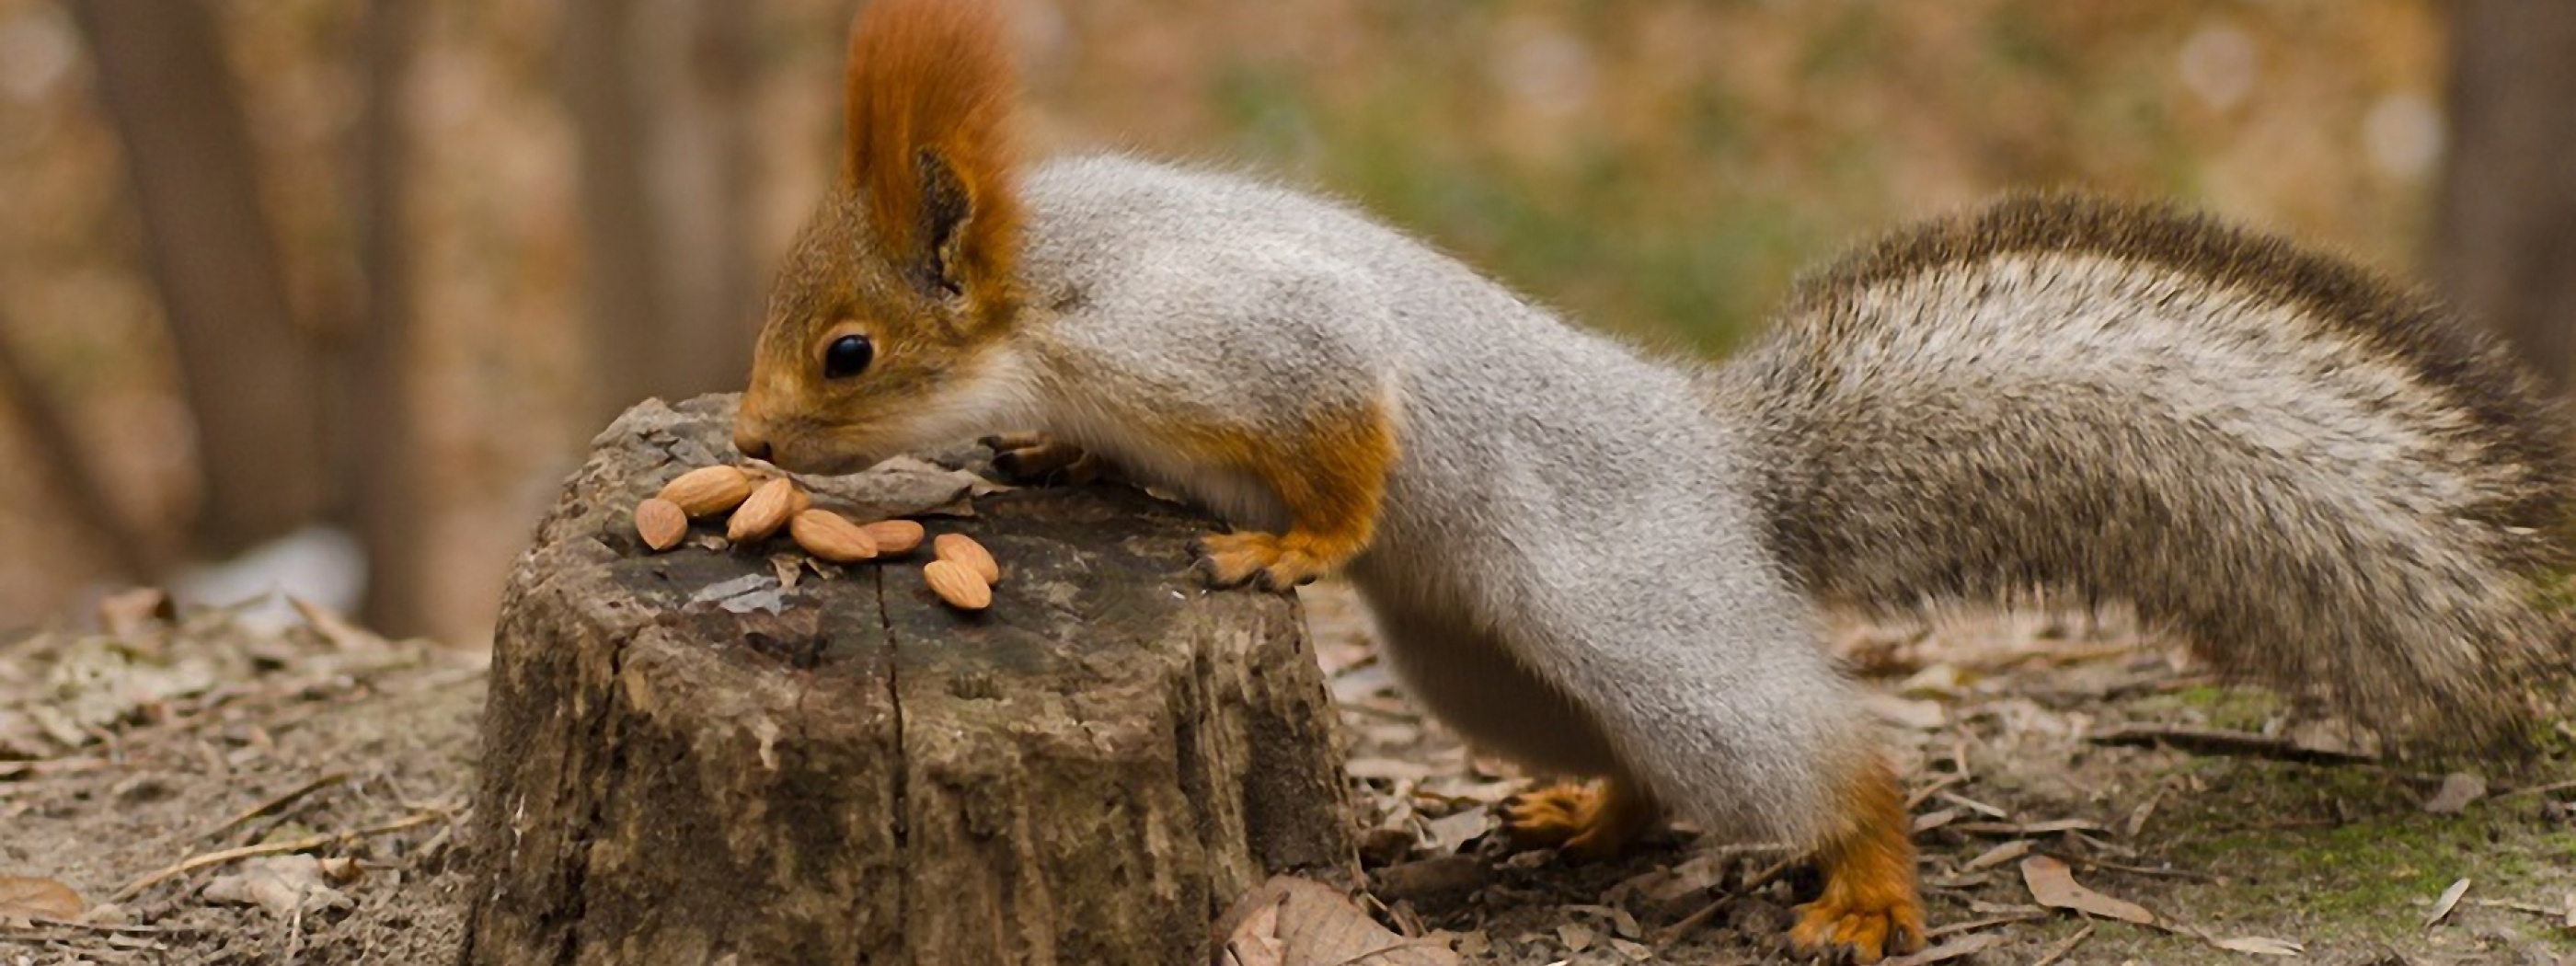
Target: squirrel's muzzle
x=751 y=433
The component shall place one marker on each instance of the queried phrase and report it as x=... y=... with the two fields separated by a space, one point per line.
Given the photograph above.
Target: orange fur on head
x=931 y=81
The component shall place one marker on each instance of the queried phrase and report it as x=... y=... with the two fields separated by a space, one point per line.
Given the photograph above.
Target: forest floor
x=179 y=780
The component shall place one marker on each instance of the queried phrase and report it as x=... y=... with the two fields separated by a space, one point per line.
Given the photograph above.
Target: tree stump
x=688 y=761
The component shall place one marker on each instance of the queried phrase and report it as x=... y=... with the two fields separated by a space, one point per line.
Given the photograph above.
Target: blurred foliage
x=1660 y=168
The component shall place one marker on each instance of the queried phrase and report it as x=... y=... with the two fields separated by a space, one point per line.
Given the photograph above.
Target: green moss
x=2345 y=854
x=2218 y=706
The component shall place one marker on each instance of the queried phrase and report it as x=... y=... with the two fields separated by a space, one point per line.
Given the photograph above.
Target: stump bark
x=688 y=761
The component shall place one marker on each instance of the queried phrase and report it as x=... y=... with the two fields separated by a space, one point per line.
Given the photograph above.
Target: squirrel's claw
x=1270 y=561
x=1849 y=931
x=1870 y=907
x=1586 y=823
x=1037 y=458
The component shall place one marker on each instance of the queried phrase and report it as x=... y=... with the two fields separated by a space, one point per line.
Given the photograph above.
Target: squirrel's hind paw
x=1272 y=561
x=1039 y=458
x=1856 y=931
x=1585 y=822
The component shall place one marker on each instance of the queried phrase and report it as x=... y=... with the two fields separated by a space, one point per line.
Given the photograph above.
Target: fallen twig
x=2555 y=914
x=1707 y=912
x=1938 y=784
x=194 y=863
x=2212 y=741
x=2061 y=950
x=2137 y=869
x=275 y=804
x=131 y=929
x=1973 y=925
x=2537 y=789
x=1962 y=946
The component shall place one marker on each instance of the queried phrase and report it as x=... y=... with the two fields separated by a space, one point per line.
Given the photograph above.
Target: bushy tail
x=2316 y=478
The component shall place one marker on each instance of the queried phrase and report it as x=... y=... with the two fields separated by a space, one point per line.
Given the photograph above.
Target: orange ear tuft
x=930 y=89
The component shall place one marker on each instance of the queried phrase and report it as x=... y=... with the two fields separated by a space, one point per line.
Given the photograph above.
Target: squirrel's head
x=889 y=323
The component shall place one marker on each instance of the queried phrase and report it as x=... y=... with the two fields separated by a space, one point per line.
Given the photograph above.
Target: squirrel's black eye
x=846 y=356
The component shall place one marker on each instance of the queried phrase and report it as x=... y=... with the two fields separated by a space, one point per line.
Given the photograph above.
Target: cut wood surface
x=689 y=760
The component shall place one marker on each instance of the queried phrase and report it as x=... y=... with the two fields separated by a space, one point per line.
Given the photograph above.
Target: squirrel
x=1609 y=565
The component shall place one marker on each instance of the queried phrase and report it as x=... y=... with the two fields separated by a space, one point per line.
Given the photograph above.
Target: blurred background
x=346 y=285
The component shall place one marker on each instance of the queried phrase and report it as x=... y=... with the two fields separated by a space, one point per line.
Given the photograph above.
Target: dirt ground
x=125 y=757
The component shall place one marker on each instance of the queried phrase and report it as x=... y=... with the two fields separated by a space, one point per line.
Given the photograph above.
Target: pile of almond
x=962 y=574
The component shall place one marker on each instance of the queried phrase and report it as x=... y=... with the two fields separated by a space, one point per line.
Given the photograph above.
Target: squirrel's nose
x=750 y=443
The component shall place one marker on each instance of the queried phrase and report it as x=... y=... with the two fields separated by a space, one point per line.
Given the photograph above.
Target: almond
x=831 y=536
x=660 y=522
x=962 y=550
x=708 y=490
x=894 y=537
x=762 y=513
x=958 y=584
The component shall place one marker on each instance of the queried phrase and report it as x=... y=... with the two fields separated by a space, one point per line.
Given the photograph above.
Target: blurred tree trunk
x=2506 y=244
x=377 y=441
x=62 y=463
x=658 y=94
x=252 y=379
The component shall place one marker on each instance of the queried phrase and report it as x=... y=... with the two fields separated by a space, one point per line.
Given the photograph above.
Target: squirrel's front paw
x=1272 y=561
x=1860 y=923
x=1039 y=458
x=1586 y=823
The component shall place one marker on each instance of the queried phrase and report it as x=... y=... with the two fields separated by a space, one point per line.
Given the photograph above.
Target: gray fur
x=2313 y=478
x=1601 y=562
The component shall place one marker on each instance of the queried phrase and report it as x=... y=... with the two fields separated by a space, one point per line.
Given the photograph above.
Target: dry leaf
x=280 y=884
x=1475 y=943
x=2050 y=827
x=1935 y=681
x=2052 y=885
x=1316 y=925
x=340 y=631
x=1998 y=855
x=1625 y=924
x=1454 y=791
x=1386 y=769
x=22 y=897
x=341 y=870
x=1696 y=874
x=742 y=595
x=904 y=487
x=1576 y=937
x=1974 y=805
x=2138 y=817
x=1256 y=941
x=1962 y=946
x=1906 y=712
x=1448 y=834
x=1442 y=879
x=2450 y=898
x=2260 y=946
x=127 y=611
x=2458 y=790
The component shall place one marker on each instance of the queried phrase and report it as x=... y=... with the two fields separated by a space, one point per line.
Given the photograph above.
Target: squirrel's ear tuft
x=930 y=91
